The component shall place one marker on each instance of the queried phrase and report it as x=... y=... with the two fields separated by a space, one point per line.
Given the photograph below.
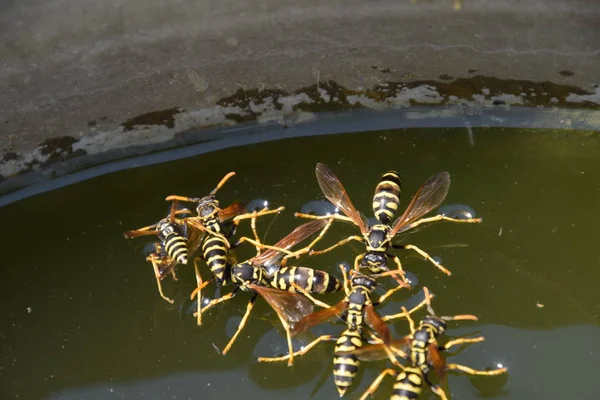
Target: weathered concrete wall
x=81 y=77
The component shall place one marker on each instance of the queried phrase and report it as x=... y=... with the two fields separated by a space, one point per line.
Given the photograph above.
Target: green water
x=81 y=317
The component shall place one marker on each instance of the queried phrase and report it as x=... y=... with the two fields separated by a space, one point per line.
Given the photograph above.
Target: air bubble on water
x=437 y=259
x=412 y=278
x=457 y=211
x=318 y=207
x=257 y=205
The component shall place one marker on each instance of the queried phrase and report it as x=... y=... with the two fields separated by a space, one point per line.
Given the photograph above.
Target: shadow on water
x=82 y=318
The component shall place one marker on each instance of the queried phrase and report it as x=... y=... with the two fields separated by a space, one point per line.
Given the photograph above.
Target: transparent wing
x=429 y=196
x=299 y=234
x=334 y=191
x=290 y=306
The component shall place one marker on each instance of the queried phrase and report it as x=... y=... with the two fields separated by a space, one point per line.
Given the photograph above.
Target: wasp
x=357 y=309
x=216 y=242
x=378 y=238
x=423 y=354
x=175 y=241
x=278 y=288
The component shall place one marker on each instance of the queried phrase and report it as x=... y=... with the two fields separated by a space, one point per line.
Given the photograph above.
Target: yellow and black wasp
x=357 y=309
x=216 y=241
x=421 y=350
x=277 y=287
x=378 y=238
x=176 y=239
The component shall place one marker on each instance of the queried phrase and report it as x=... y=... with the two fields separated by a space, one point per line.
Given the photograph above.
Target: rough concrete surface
x=80 y=77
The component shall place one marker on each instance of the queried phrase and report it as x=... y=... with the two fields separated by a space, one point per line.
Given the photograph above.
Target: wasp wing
x=319 y=317
x=146 y=231
x=429 y=196
x=377 y=324
x=302 y=232
x=291 y=307
x=336 y=193
x=233 y=210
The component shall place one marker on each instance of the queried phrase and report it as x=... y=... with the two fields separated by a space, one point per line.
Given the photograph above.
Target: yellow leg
x=387 y=294
x=455 y=342
x=334 y=216
x=426 y=256
x=307 y=249
x=347 y=287
x=441 y=218
x=256 y=214
x=472 y=371
x=310 y=297
x=436 y=389
x=399 y=264
x=288 y=336
x=214 y=302
x=157 y=276
x=198 y=291
x=340 y=243
x=375 y=385
x=259 y=246
x=301 y=352
x=241 y=325
x=173 y=274
x=406 y=314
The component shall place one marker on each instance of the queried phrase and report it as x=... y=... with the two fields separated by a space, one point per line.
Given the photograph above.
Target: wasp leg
x=435 y=388
x=455 y=342
x=399 y=264
x=406 y=314
x=426 y=256
x=334 y=216
x=340 y=243
x=198 y=290
x=214 y=302
x=301 y=352
x=242 y=323
x=259 y=246
x=472 y=371
x=158 y=279
x=347 y=288
x=387 y=294
x=173 y=275
x=307 y=249
x=375 y=385
x=310 y=297
x=256 y=214
x=442 y=218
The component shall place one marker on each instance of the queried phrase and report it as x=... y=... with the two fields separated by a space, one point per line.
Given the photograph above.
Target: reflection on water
x=529 y=349
x=81 y=315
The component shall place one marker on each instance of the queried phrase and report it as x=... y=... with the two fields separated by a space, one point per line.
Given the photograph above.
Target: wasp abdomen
x=345 y=367
x=176 y=247
x=386 y=200
x=311 y=280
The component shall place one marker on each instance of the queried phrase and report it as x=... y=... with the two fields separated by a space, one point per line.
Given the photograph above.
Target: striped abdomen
x=176 y=247
x=345 y=367
x=386 y=200
x=215 y=251
x=311 y=280
x=408 y=385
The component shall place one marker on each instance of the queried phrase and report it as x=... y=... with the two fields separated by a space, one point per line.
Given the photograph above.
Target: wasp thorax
x=207 y=207
x=166 y=228
x=363 y=280
x=437 y=323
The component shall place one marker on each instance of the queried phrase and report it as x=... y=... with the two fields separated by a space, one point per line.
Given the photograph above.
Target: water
x=81 y=317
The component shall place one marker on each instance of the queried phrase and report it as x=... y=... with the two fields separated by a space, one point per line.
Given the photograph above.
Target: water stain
x=163 y=117
x=566 y=73
x=445 y=77
x=326 y=96
x=58 y=148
